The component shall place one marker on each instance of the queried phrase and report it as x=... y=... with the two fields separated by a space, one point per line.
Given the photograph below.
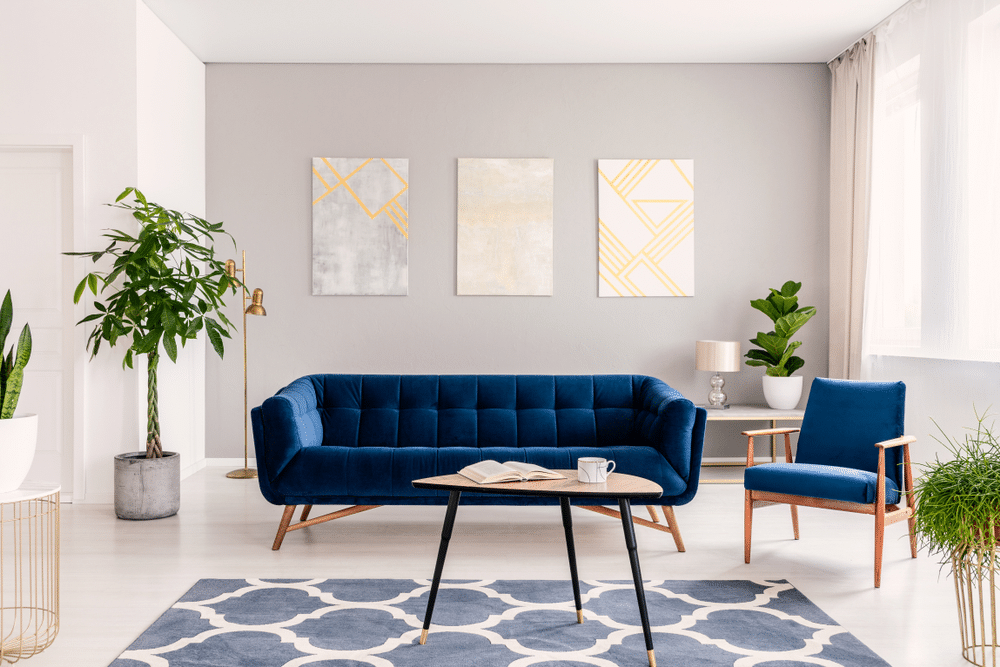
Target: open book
x=490 y=472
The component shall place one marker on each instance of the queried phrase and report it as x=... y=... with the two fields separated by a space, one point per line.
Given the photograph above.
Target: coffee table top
x=619 y=485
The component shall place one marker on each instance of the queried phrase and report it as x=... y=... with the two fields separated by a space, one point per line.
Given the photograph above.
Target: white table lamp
x=718 y=356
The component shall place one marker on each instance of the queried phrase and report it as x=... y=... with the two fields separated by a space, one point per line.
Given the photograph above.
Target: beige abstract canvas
x=645 y=227
x=505 y=226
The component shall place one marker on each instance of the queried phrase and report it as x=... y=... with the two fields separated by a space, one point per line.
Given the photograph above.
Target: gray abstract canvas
x=505 y=226
x=360 y=226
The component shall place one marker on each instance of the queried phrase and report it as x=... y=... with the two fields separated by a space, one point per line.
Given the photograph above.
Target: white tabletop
x=29 y=491
x=752 y=413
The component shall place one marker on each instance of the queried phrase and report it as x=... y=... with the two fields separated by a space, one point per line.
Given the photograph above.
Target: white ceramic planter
x=783 y=393
x=18 y=437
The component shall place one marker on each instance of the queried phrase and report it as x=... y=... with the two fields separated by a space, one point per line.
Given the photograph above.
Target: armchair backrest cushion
x=845 y=418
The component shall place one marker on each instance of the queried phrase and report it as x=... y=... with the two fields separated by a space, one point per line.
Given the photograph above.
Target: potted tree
x=776 y=348
x=958 y=518
x=165 y=286
x=18 y=434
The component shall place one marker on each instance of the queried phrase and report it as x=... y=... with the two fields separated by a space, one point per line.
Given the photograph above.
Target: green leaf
x=790 y=288
x=79 y=290
x=127 y=361
x=773 y=344
x=91 y=317
x=761 y=355
x=783 y=304
x=788 y=353
x=6 y=318
x=754 y=362
x=787 y=325
x=777 y=372
x=766 y=307
x=216 y=340
x=793 y=364
x=124 y=194
x=170 y=345
x=92 y=282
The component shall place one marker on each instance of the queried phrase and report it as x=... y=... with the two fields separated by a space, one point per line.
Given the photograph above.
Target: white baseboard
x=230 y=463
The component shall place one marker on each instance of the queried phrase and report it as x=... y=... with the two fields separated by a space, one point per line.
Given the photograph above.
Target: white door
x=36 y=225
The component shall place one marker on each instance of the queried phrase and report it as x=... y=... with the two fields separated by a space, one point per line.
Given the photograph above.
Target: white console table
x=749 y=413
x=29 y=570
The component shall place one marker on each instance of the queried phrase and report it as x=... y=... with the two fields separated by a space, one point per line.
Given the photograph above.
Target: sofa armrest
x=283 y=425
x=675 y=427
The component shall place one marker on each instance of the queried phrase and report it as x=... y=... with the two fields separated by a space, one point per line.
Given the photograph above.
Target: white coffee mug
x=593 y=470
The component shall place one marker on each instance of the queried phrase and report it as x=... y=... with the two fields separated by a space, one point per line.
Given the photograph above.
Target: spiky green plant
x=958 y=500
x=776 y=352
x=12 y=365
x=164 y=284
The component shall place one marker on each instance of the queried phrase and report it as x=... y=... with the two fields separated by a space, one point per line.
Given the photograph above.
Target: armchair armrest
x=787 y=431
x=772 y=431
x=896 y=442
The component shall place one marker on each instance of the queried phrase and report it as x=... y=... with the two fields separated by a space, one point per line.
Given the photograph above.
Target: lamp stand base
x=717 y=407
x=242 y=473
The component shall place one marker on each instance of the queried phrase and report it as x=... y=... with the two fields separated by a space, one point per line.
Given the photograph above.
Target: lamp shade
x=718 y=356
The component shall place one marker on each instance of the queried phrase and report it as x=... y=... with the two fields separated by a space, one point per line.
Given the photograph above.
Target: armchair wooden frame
x=884 y=514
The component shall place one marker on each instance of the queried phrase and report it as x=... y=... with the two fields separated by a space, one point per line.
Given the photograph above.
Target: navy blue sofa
x=360 y=440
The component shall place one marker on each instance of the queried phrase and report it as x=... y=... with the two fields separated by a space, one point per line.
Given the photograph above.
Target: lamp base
x=242 y=473
x=716 y=407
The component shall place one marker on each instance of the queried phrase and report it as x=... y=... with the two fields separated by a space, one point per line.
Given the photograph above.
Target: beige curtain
x=850 y=187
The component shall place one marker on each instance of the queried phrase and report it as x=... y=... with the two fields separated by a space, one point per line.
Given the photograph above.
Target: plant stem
x=153 y=448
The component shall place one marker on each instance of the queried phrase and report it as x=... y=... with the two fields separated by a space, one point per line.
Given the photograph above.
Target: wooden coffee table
x=621 y=487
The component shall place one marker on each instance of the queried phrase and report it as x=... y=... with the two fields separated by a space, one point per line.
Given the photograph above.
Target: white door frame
x=76 y=143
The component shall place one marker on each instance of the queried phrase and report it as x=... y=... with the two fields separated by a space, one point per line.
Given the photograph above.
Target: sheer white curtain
x=850 y=178
x=934 y=227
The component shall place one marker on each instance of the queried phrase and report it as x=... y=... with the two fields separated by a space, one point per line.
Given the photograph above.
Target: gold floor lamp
x=256 y=307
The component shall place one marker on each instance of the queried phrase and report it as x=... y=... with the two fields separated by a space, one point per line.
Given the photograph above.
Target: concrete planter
x=147 y=488
x=18 y=437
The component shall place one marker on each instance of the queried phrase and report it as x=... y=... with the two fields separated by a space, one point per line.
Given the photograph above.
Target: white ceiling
x=520 y=31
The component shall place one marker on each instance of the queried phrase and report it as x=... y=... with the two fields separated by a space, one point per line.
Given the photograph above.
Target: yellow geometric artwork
x=360 y=226
x=645 y=227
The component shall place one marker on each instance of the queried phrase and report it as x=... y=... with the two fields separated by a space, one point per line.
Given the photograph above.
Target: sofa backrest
x=479 y=411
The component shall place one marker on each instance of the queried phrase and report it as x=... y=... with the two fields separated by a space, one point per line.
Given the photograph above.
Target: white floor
x=119 y=576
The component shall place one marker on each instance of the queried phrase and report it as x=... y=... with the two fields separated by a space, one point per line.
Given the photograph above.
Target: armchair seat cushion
x=818 y=481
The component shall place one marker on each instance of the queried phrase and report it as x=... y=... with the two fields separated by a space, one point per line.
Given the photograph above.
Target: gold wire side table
x=29 y=571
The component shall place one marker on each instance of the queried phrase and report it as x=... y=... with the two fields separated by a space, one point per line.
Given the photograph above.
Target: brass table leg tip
x=423 y=637
x=652 y=658
x=579 y=616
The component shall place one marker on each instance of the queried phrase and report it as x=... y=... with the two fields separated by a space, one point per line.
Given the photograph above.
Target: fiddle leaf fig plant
x=12 y=365
x=776 y=347
x=164 y=287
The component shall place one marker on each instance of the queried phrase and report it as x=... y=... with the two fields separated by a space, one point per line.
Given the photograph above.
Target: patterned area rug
x=361 y=622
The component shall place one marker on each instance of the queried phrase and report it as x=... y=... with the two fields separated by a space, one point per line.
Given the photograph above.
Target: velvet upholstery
x=836 y=457
x=362 y=439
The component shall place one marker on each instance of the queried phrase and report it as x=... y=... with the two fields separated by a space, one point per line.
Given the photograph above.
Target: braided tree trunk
x=153 y=448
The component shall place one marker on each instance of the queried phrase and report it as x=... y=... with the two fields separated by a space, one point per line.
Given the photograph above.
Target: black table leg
x=568 y=526
x=449 y=523
x=640 y=594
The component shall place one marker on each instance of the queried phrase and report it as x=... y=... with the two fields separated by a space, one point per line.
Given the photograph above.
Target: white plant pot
x=18 y=437
x=783 y=393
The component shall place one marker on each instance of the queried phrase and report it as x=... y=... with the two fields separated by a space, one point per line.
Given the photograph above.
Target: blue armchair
x=851 y=456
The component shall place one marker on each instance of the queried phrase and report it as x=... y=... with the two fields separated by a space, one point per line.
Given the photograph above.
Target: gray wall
x=759 y=135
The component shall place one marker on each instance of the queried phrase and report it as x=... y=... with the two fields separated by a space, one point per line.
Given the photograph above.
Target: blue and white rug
x=376 y=622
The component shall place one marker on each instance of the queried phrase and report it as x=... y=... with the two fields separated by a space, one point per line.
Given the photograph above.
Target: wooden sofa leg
x=668 y=513
x=305 y=512
x=652 y=513
x=795 y=520
x=747 y=525
x=286 y=519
